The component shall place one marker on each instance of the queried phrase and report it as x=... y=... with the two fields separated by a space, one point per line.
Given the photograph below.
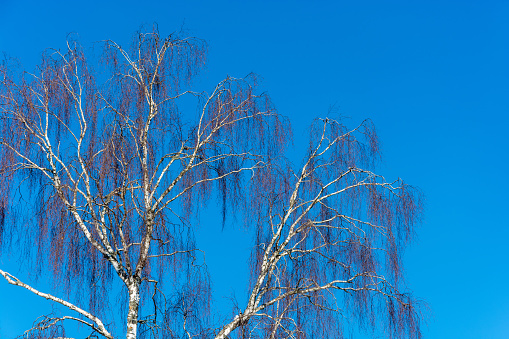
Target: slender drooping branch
x=97 y=325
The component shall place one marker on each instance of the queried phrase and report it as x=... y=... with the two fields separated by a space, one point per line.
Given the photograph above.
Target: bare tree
x=116 y=172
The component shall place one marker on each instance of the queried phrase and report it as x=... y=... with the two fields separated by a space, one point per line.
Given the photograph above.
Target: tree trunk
x=132 y=315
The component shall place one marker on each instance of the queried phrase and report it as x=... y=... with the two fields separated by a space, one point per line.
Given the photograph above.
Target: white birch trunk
x=132 y=315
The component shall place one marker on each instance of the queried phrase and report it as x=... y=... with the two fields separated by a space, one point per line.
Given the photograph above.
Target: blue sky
x=433 y=77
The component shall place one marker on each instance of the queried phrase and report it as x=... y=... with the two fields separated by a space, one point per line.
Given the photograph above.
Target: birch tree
x=105 y=165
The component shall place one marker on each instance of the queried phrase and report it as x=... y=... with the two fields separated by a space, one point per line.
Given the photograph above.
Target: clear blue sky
x=434 y=78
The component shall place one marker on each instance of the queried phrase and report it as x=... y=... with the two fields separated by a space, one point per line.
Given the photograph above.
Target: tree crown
x=116 y=167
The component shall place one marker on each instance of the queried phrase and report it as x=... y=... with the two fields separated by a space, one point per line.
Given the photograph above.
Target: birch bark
x=132 y=314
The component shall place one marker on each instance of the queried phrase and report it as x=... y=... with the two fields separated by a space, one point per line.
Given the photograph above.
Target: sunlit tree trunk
x=132 y=314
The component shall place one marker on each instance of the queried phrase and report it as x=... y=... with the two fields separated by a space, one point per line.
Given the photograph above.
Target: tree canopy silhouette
x=104 y=166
